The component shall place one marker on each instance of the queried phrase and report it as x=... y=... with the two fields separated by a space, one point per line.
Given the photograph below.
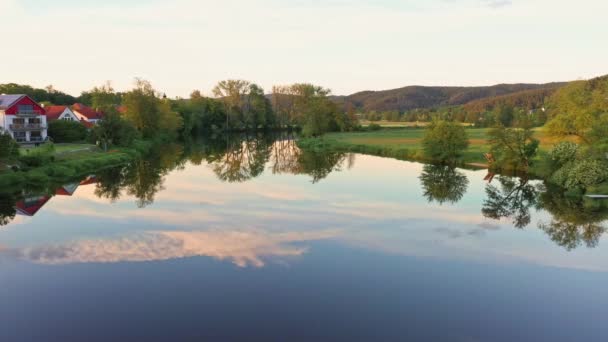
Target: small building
x=23 y=118
x=86 y=113
x=60 y=113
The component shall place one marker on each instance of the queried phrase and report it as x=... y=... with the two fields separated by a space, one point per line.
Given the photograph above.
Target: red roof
x=53 y=112
x=88 y=112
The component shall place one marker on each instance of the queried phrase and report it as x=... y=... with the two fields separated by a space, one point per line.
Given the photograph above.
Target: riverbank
x=70 y=162
x=406 y=144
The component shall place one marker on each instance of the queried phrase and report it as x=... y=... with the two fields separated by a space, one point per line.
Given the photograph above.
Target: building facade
x=23 y=118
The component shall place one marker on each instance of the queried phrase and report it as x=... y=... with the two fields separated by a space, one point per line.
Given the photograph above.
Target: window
x=35 y=134
x=28 y=108
x=35 y=121
x=18 y=121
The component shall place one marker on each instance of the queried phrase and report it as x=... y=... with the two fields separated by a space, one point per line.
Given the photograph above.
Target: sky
x=347 y=46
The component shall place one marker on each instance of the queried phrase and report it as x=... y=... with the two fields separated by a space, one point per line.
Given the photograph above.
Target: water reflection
x=243 y=248
x=575 y=220
x=572 y=222
x=7 y=208
x=443 y=183
x=512 y=199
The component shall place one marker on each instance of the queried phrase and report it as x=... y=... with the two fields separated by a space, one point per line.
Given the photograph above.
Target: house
x=23 y=118
x=86 y=113
x=60 y=113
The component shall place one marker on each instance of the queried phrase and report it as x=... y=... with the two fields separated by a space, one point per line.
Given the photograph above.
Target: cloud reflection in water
x=243 y=248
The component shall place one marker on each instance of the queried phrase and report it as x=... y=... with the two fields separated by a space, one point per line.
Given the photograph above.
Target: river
x=254 y=239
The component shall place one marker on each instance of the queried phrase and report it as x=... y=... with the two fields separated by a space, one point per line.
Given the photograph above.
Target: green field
x=406 y=143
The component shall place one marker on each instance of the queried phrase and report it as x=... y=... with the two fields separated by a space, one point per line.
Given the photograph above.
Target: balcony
x=27 y=113
x=33 y=140
x=26 y=127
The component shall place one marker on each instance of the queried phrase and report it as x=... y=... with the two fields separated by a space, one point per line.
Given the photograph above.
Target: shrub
x=9 y=148
x=62 y=131
x=581 y=174
x=564 y=152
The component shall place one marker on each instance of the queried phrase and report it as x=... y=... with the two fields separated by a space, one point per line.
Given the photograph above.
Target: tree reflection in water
x=513 y=199
x=443 y=183
x=575 y=220
x=7 y=208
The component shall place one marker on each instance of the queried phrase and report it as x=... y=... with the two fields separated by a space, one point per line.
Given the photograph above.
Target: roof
x=54 y=112
x=87 y=111
x=6 y=101
x=86 y=123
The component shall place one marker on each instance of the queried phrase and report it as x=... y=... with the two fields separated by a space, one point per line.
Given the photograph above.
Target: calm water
x=257 y=240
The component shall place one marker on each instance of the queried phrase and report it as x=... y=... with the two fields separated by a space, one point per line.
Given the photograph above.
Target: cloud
x=243 y=248
x=498 y=3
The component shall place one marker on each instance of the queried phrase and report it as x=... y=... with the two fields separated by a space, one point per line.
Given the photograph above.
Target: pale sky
x=348 y=46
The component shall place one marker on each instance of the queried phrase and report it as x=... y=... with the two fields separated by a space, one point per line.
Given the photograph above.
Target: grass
x=397 y=124
x=406 y=143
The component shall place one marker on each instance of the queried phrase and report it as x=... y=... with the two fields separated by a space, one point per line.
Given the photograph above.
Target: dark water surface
x=256 y=240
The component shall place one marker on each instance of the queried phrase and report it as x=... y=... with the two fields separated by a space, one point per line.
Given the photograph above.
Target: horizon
x=345 y=46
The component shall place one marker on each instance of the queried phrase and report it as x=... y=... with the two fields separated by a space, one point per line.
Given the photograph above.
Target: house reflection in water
x=31 y=204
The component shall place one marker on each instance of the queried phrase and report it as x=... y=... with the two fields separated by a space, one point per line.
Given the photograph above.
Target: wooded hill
x=413 y=97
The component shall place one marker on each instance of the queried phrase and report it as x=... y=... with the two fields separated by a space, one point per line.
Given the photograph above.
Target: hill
x=412 y=97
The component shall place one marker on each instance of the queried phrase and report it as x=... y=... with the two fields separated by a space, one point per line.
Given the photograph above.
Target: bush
x=374 y=127
x=39 y=156
x=564 y=152
x=581 y=174
x=62 y=131
x=9 y=149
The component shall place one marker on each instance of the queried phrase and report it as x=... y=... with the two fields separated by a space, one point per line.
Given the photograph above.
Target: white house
x=23 y=118
x=87 y=114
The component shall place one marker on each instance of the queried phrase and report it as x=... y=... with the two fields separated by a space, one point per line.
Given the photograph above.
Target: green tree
x=512 y=147
x=113 y=130
x=444 y=141
x=148 y=113
x=574 y=110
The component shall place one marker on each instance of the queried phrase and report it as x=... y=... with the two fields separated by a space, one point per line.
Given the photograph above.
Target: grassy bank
x=406 y=144
x=71 y=162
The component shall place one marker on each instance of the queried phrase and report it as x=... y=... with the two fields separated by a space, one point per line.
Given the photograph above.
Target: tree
x=113 y=130
x=233 y=93
x=104 y=99
x=513 y=147
x=574 y=110
x=149 y=114
x=444 y=141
